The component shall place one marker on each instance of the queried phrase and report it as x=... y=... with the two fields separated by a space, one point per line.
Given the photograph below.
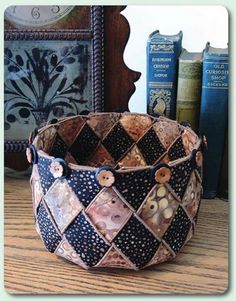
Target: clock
x=36 y=16
x=53 y=67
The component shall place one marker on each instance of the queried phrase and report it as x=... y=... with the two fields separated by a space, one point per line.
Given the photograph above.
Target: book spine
x=213 y=119
x=189 y=93
x=162 y=64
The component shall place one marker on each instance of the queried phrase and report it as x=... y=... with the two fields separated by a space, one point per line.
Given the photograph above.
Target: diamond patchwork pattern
x=176 y=151
x=63 y=204
x=162 y=254
x=85 y=240
x=180 y=175
x=59 y=148
x=136 y=222
x=48 y=231
x=66 y=250
x=134 y=186
x=178 y=230
x=159 y=209
x=117 y=142
x=151 y=147
x=115 y=259
x=108 y=213
x=137 y=242
x=84 y=145
x=69 y=131
x=84 y=185
x=46 y=177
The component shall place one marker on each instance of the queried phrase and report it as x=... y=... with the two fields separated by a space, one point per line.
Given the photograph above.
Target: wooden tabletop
x=201 y=267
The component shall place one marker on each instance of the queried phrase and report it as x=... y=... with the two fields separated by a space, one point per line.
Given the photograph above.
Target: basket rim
x=122 y=169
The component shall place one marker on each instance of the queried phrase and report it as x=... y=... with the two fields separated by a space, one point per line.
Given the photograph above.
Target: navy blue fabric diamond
x=134 y=186
x=178 y=230
x=46 y=177
x=59 y=148
x=179 y=179
x=136 y=242
x=177 y=150
x=84 y=145
x=151 y=147
x=50 y=236
x=117 y=142
x=85 y=240
x=84 y=185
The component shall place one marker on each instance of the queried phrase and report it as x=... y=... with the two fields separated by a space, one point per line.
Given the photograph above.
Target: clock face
x=36 y=16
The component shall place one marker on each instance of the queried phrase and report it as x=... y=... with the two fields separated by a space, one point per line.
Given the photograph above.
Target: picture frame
x=65 y=56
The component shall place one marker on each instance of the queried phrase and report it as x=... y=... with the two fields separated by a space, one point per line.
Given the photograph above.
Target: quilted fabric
x=116 y=190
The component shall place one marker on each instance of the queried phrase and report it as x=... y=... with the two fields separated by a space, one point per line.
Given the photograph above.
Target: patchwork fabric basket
x=115 y=189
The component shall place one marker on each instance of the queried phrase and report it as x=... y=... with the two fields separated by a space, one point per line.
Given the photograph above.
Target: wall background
x=199 y=24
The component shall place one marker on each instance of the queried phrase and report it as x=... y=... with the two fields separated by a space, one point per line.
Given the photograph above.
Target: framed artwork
x=53 y=64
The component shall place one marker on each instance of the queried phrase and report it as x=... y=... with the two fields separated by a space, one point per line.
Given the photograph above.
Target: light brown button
x=105 y=178
x=56 y=169
x=163 y=175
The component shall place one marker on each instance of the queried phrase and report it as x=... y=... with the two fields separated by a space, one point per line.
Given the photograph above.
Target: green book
x=189 y=88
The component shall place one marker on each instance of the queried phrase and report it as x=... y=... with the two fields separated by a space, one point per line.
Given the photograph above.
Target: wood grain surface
x=201 y=267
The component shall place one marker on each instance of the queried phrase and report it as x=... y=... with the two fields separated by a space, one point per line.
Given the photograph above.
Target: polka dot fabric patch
x=36 y=188
x=49 y=234
x=117 y=142
x=178 y=230
x=176 y=151
x=137 y=242
x=192 y=195
x=125 y=193
x=46 y=177
x=59 y=148
x=134 y=186
x=84 y=145
x=86 y=242
x=150 y=147
x=162 y=254
x=84 y=185
x=180 y=174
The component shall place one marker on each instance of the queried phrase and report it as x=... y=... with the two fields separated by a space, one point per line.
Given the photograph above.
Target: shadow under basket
x=115 y=189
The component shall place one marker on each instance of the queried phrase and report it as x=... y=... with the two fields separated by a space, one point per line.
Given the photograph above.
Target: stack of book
x=192 y=87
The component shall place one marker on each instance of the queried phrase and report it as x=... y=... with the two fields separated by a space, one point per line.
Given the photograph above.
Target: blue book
x=163 y=52
x=214 y=115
